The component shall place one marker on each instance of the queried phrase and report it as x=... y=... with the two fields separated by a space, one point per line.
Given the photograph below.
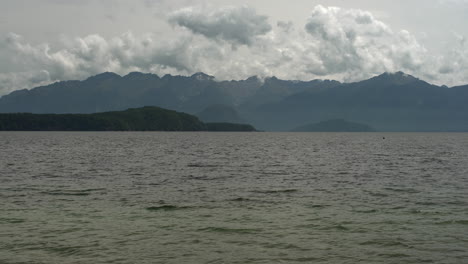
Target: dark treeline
x=228 y=127
x=135 y=119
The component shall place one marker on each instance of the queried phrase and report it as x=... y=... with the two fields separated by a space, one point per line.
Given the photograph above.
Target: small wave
x=282 y=245
x=366 y=211
x=402 y=190
x=453 y=222
x=308 y=226
x=432 y=160
x=384 y=243
x=377 y=194
x=426 y=203
x=457 y=202
x=277 y=191
x=157 y=183
x=200 y=165
x=341 y=227
x=11 y=220
x=201 y=178
x=249 y=200
x=424 y=212
x=84 y=192
x=231 y=230
x=273 y=172
x=241 y=199
x=67 y=193
x=65 y=250
x=394 y=255
x=303 y=259
x=68 y=230
x=318 y=206
x=166 y=208
x=12 y=195
x=336 y=227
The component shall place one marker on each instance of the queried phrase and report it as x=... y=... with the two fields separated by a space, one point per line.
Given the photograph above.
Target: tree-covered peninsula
x=135 y=119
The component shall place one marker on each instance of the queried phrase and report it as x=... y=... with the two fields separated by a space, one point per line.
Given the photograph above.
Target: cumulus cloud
x=353 y=42
x=11 y=81
x=238 y=25
x=79 y=58
x=236 y=43
x=453 y=67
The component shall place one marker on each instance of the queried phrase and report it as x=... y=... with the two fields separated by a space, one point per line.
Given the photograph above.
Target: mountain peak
x=140 y=76
x=253 y=78
x=397 y=73
x=200 y=76
x=103 y=76
x=398 y=77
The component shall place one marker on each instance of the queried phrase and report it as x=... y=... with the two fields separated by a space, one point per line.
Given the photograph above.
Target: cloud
x=352 y=41
x=18 y=80
x=236 y=43
x=237 y=25
x=285 y=25
x=453 y=2
x=453 y=67
x=79 y=58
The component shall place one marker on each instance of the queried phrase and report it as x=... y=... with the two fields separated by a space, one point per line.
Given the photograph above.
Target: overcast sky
x=42 y=41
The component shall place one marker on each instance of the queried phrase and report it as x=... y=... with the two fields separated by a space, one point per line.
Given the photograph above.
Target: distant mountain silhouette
x=334 y=125
x=110 y=92
x=387 y=102
x=220 y=113
x=135 y=119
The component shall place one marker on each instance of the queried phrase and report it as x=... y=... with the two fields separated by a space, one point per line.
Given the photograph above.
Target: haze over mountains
x=388 y=102
x=334 y=125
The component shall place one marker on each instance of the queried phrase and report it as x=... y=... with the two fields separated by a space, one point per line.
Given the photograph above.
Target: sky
x=44 y=41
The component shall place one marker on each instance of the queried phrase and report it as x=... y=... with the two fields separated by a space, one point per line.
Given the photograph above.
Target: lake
x=156 y=197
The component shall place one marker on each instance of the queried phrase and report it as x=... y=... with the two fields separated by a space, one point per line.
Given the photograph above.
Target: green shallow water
x=233 y=198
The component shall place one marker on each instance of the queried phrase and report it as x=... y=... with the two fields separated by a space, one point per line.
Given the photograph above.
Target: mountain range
x=387 y=102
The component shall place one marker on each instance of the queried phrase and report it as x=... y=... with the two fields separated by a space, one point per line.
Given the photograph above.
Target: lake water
x=233 y=197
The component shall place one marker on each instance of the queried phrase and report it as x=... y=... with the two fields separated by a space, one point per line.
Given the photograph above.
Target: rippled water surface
x=233 y=198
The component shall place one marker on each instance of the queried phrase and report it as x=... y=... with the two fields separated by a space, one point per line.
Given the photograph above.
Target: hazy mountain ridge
x=387 y=102
x=109 y=91
x=220 y=113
